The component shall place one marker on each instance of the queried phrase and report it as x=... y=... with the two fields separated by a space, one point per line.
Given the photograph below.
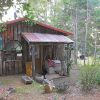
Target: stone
x=11 y=90
x=27 y=79
x=39 y=79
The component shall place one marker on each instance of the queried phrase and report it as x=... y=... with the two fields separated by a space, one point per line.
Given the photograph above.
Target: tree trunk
x=61 y=56
x=85 y=48
x=75 y=29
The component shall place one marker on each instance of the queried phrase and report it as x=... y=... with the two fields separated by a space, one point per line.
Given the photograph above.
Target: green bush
x=88 y=75
x=98 y=75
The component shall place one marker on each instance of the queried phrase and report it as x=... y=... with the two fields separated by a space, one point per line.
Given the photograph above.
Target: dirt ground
x=35 y=90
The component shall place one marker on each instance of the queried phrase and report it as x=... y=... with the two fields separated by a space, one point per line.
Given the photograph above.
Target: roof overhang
x=46 y=38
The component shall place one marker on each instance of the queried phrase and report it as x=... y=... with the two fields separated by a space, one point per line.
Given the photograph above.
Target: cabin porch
x=37 y=46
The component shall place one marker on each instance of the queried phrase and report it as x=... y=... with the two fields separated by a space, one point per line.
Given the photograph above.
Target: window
x=13 y=45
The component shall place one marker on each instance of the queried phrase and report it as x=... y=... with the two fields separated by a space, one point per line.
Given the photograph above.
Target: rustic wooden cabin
x=25 y=40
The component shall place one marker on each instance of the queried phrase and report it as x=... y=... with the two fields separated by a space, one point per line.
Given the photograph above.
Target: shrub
x=98 y=75
x=88 y=74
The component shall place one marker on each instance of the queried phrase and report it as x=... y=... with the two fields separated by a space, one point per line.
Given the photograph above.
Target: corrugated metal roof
x=41 y=24
x=45 y=38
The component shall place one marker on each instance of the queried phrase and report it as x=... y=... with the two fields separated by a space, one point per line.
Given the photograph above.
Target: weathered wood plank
x=33 y=62
x=0 y=64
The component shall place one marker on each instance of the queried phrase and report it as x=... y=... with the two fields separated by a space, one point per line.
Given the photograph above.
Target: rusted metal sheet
x=40 y=24
x=45 y=38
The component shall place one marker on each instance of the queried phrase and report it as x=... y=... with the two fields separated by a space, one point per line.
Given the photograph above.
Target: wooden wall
x=14 y=31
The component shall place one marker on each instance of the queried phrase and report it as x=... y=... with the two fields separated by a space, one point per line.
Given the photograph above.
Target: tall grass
x=88 y=76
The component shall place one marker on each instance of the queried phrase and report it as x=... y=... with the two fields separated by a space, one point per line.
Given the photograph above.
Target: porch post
x=33 y=62
x=68 y=62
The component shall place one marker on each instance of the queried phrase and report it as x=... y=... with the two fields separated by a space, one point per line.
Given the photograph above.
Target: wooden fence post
x=0 y=64
x=33 y=62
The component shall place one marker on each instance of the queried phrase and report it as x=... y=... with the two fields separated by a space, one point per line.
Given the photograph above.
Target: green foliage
x=69 y=63
x=98 y=77
x=36 y=9
x=61 y=14
x=54 y=13
x=98 y=72
x=30 y=22
x=82 y=3
x=30 y=12
x=2 y=28
x=29 y=88
x=5 y=5
x=88 y=74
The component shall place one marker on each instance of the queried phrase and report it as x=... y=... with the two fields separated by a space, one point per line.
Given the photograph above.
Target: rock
x=50 y=82
x=39 y=79
x=61 y=87
x=27 y=79
x=11 y=90
x=46 y=81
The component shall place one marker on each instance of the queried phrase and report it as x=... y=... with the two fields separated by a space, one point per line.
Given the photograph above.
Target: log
x=48 y=88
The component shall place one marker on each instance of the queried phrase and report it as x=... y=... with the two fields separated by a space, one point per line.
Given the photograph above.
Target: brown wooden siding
x=13 y=32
